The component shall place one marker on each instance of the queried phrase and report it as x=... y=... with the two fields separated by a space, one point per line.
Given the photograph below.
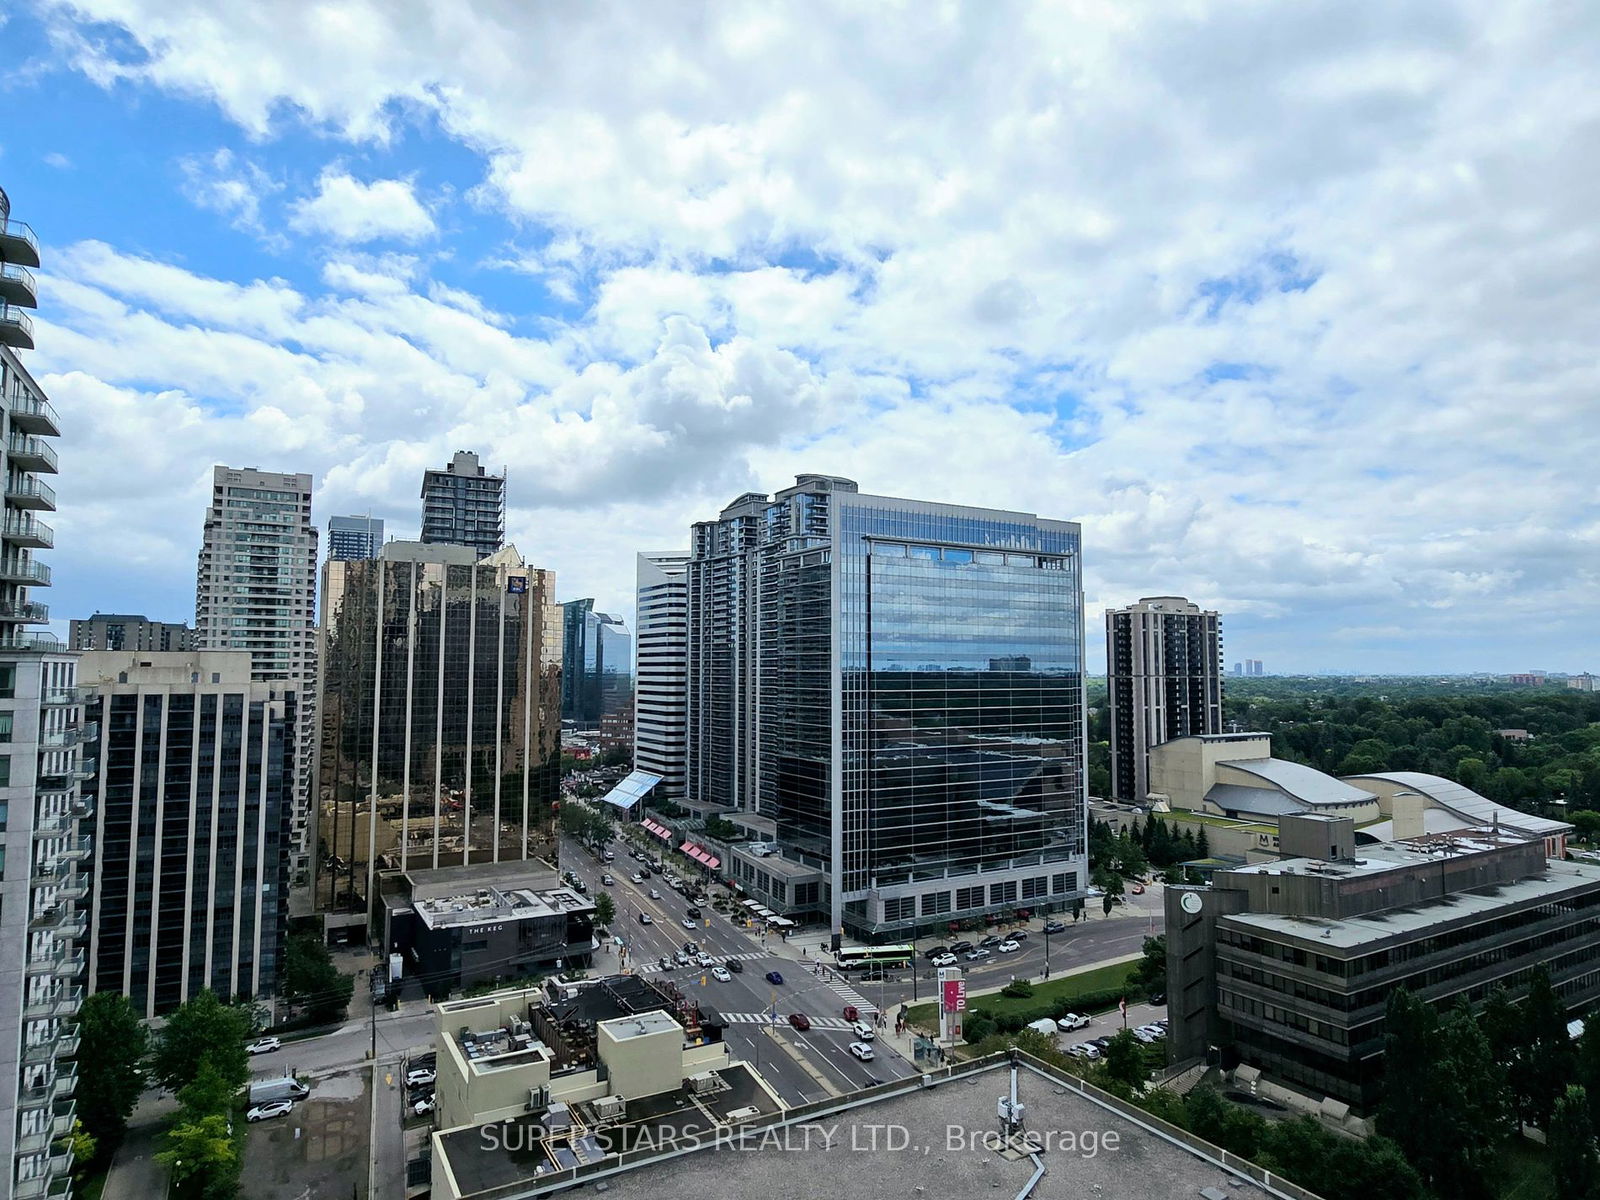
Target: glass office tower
x=596 y=664
x=919 y=718
x=440 y=715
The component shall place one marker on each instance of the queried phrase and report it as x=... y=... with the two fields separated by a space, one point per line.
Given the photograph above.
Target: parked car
x=864 y=1031
x=1145 y=1036
x=1055 y=926
x=608 y=881
x=945 y=960
x=273 y=1108
x=1095 y=892
x=1009 y=946
x=852 y=1013
x=934 y=952
x=1158 y=998
x=720 y=974
x=960 y=947
x=975 y=955
x=774 y=977
x=423 y=1106
x=1072 y=1021
x=734 y=965
x=1084 y=1050
x=1019 y=935
x=420 y=1075
x=646 y=919
x=800 y=1021
x=264 y=1046
x=991 y=941
x=862 y=1051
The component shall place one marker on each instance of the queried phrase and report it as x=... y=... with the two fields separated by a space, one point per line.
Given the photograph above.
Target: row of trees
x=1461 y=1086
x=1115 y=856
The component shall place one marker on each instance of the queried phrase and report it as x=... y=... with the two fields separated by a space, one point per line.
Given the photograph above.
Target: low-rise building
x=1287 y=966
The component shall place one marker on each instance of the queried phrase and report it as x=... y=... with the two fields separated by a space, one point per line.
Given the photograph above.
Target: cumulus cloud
x=1294 y=309
x=348 y=210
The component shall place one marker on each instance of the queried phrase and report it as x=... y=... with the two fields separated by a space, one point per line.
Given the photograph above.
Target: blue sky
x=1306 y=336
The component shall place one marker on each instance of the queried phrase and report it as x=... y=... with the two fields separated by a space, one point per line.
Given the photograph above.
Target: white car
x=1071 y=1022
x=720 y=974
x=1084 y=1050
x=655 y=894
x=863 y=1031
x=862 y=1051
x=704 y=960
x=688 y=924
x=1010 y=946
x=423 y=1106
x=638 y=878
x=273 y=1108
x=420 y=1075
x=263 y=1046
x=944 y=960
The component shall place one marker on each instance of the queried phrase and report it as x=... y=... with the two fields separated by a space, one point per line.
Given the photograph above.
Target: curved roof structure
x=1304 y=783
x=1465 y=803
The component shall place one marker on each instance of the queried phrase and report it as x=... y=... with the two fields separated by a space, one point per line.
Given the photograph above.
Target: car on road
x=977 y=954
x=1018 y=935
x=934 y=952
x=1071 y=1021
x=864 y=1031
x=1009 y=946
x=991 y=941
x=695 y=912
x=687 y=923
x=720 y=974
x=683 y=958
x=646 y=919
x=644 y=872
x=263 y=1046
x=420 y=1075
x=609 y=857
x=655 y=894
x=774 y=977
x=704 y=960
x=1137 y=889
x=800 y=1021
x=852 y=1013
x=608 y=881
x=960 y=947
x=734 y=965
x=702 y=901
x=862 y=1051
x=1158 y=998
x=636 y=877
x=1055 y=926
x=273 y=1108
x=945 y=960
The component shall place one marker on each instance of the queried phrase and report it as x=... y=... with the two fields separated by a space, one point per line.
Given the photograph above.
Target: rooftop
x=492 y=904
x=642 y=1025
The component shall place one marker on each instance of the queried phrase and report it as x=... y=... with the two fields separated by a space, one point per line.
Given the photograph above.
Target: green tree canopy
x=112 y=1045
x=201 y=1031
x=310 y=978
x=202 y=1158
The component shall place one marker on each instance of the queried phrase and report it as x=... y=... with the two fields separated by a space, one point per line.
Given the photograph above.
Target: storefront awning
x=660 y=831
x=631 y=790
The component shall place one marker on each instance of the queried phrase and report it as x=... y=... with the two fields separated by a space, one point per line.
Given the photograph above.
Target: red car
x=850 y=1013
x=800 y=1021
x=1138 y=889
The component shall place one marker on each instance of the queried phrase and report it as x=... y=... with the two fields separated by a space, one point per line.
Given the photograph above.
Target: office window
x=8 y=680
x=1003 y=893
x=5 y=726
x=5 y=770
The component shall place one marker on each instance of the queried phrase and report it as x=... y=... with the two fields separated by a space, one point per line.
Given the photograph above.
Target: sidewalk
x=134 y=1173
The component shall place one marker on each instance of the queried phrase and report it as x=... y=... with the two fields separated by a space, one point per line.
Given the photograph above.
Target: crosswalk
x=654 y=968
x=850 y=996
x=766 y=1019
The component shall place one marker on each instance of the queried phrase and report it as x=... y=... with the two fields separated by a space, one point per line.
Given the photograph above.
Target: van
x=1043 y=1025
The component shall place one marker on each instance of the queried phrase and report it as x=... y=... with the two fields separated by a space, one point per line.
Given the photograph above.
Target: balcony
x=16 y=328
x=63 y=1045
x=73 y=697
x=23 y=530
x=31 y=454
x=34 y=414
x=27 y=492
x=55 y=1185
x=77 y=850
x=73 y=735
x=18 y=243
x=26 y=610
x=51 y=825
x=24 y=570
x=57 y=1004
x=62 y=961
x=73 y=887
x=18 y=287
x=81 y=808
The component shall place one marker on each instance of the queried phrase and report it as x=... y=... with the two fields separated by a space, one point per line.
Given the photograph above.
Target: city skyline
x=1188 y=338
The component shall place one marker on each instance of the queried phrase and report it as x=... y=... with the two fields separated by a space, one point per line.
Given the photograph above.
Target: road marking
x=817 y=1077
x=838 y=1023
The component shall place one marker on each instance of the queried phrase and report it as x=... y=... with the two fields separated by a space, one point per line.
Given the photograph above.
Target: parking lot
x=318 y=1151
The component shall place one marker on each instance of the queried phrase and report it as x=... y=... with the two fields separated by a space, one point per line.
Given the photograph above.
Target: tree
x=1548 y=1060
x=207 y=1093
x=202 y=1158
x=112 y=1044
x=1124 y=1060
x=310 y=978
x=84 y=1146
x=1406 y=1113
x=202 y=1030
x=1151 y=972
x=1571 y=1141
x=605 y=909
x=1473 y=1107
x=1202 y=844
x=1502 y=1024
x=1588 y=1065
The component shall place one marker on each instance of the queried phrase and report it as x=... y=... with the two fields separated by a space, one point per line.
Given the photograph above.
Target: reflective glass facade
x=596 y=662
x=440 y=717
x=919 y=717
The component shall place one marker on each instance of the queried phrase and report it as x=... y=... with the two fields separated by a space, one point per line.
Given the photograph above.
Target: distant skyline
x=1305 y=336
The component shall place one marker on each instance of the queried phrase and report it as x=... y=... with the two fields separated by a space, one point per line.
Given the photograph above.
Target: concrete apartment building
x=439 y=737
x=894 y=689
x=464 y=505
x=1286 y=966
x=192 y=804
x=351 y=538
x=1164 y=680
x=661 y=650
x=42 y=765
x=129 y=631
x=256 y=590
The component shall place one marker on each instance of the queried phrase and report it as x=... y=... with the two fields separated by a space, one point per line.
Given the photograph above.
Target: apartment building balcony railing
x=78 y=849
x=60 y=1002
x=73 y=887
x=27 y=611
x=63 y=1045
x=16 y=328
x=51 y=825
x=33 y=414
x=24 y=570
x=18 y=286
x=71 y=697
x=30 y=641
x=55 y=1184
x=61 y=960
x=31 y=454
x=28 y=492
x=73 y=735
x=18 y=244
x=24 y=530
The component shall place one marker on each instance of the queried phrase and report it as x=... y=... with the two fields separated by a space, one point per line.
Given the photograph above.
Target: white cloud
x=58 y=160
x=348 y=210
x=1294 y=309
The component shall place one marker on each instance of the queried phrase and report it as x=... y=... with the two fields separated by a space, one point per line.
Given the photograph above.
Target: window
x=957 y=556
x=8 y=680
x=5 y=726
x=934 y=903
x=1035 y=887
x=1003 y=893
x=5 y=770
x=969 y=897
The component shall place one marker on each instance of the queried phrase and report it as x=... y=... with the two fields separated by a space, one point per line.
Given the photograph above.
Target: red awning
x=688 y=847
x=713 y=861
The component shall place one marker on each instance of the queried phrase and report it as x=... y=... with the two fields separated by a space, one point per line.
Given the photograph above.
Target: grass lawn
x=1063 y=987
x=1524 y=1172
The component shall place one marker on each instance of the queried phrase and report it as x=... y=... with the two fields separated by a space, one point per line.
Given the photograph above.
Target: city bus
x=875 y=958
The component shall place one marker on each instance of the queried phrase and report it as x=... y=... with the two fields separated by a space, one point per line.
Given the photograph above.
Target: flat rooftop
x=643 y=1025
x=925 y=1142
x=491 y=904
x=1351 y=933
x=1389 y=856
